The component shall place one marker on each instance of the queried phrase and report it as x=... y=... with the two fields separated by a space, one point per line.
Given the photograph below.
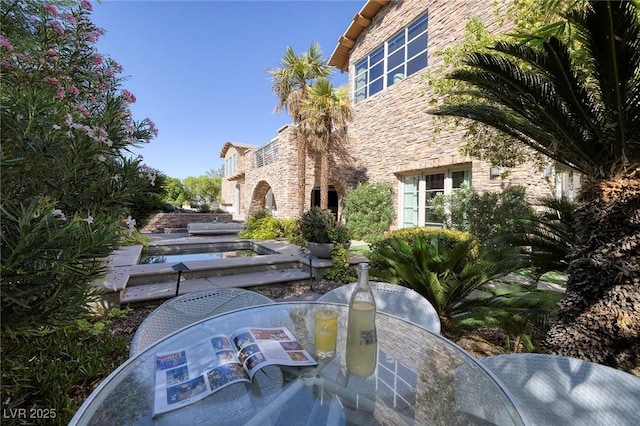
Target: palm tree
x=326 y=113
x=290 y=84
x=586 y=115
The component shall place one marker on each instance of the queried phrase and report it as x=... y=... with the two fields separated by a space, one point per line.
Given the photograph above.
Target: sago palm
x=325 y=114
x=548 y=238
x=290 y=83
x=586 y=115
x=454 y=279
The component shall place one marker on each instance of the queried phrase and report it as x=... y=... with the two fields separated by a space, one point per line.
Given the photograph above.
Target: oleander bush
x=70 y=191
x=69 y=186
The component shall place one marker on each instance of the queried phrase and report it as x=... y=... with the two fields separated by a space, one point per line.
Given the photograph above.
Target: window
x=402 y=55
x=567 y=184
x=418 y=191
x=230 y=165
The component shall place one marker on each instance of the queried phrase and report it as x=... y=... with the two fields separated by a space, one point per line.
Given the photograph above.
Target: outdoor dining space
x=420 y=378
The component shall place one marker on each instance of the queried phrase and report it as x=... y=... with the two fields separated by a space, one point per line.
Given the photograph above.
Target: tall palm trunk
x=301 y=143
x=599 y=317
x=324 y=179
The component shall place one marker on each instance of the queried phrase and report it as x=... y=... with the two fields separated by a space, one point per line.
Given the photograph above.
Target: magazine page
x=258 y=347
x=187 y=375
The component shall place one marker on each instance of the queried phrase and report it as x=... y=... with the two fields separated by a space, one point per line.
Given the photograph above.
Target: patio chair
x=558 y=390
x=187 y=309
x=395 y=300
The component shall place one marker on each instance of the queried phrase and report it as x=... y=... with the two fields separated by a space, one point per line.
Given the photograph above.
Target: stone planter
x=320 y=250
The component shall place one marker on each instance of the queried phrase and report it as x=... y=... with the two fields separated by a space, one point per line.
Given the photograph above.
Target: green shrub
x=291 y=230
x=261 y=225
x=449 y=237
x=341 y=271
x=485 y=215
x=69 y=186
x=369 y=211
x=317 y=225
x=56 y=368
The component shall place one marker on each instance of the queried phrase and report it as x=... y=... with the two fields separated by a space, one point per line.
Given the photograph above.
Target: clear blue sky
x=199 y=68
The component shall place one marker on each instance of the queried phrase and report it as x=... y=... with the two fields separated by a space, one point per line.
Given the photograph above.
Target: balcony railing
x=267 y=154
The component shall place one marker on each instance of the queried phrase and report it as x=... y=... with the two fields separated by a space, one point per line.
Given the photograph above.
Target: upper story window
x=230 y=165
x=402 y=55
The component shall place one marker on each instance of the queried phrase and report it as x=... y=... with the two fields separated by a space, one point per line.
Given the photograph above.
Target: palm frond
x=585 y=115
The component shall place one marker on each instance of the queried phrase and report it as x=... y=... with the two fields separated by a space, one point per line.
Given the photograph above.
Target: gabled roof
x=340 y=56
x=229 y=144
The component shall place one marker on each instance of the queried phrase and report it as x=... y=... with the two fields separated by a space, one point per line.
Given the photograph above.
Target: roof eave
x=340 y=56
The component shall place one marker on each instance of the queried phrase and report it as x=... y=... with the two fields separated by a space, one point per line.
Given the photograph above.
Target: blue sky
x=199 y=68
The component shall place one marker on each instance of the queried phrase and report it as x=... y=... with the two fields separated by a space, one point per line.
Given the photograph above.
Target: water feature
x=191 y=252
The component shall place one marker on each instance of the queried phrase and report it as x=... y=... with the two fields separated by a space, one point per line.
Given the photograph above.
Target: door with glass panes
x=418 y=192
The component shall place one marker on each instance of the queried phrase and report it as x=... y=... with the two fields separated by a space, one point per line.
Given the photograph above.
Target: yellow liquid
x=362 y=345
x=326 y=333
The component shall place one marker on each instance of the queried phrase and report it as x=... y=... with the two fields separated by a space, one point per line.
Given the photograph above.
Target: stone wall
x=392 y=136
x=177 y=222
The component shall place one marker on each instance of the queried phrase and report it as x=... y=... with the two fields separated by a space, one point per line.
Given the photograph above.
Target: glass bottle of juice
x=362 y=341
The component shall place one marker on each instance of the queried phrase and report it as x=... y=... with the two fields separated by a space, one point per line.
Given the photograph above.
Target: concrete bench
x=214 y=228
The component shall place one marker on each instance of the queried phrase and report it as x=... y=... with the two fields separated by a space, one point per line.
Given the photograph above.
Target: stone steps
x=164 y=290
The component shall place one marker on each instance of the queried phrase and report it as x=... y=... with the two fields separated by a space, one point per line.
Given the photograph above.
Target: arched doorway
x=333 y=199
x=263 y=198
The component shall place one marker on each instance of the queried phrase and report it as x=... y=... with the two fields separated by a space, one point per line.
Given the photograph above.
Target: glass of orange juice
x=326 y=333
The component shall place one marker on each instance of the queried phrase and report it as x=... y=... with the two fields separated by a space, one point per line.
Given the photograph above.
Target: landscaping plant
x=369 y=211
x=575 y=101
x=69 y=191
x=454 y=278
x=485 y=215
x=547 y=239
x=320 y=226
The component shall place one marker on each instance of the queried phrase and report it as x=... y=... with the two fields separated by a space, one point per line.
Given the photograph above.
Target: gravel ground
x=480 y=343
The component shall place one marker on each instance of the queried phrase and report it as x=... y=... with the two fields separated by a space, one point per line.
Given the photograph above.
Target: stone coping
x=123 y=262
x=214 y=228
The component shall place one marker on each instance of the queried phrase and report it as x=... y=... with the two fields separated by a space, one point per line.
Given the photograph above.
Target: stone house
x=386 y=50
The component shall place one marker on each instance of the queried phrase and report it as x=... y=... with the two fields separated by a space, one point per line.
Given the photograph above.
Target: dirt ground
x=482 y=342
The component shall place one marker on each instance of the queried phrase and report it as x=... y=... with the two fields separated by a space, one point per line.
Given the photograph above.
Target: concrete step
x=167 y=289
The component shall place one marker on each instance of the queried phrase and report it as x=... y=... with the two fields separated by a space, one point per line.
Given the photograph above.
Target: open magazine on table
x=187 y=375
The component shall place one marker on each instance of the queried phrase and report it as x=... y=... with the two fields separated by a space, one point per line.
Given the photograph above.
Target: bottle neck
x=362 y=291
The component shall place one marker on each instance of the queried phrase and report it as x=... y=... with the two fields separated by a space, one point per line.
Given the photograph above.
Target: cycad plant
x=548 y=238
x=579 y=106
x=456 y=280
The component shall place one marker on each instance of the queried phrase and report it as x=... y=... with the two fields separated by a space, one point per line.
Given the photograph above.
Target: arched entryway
x=333 y=199
x=263 y=198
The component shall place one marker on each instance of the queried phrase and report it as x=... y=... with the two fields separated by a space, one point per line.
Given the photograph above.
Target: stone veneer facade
x=392 y=135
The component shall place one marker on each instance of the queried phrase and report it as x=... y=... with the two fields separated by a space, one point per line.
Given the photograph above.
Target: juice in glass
x=326 y=332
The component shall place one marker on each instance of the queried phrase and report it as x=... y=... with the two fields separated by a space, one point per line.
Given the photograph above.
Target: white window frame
x=362 y=83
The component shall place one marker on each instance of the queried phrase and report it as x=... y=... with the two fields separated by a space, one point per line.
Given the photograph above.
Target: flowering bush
x=68 y=184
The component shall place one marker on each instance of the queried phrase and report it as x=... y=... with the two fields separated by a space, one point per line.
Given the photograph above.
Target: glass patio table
x=421 y=378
